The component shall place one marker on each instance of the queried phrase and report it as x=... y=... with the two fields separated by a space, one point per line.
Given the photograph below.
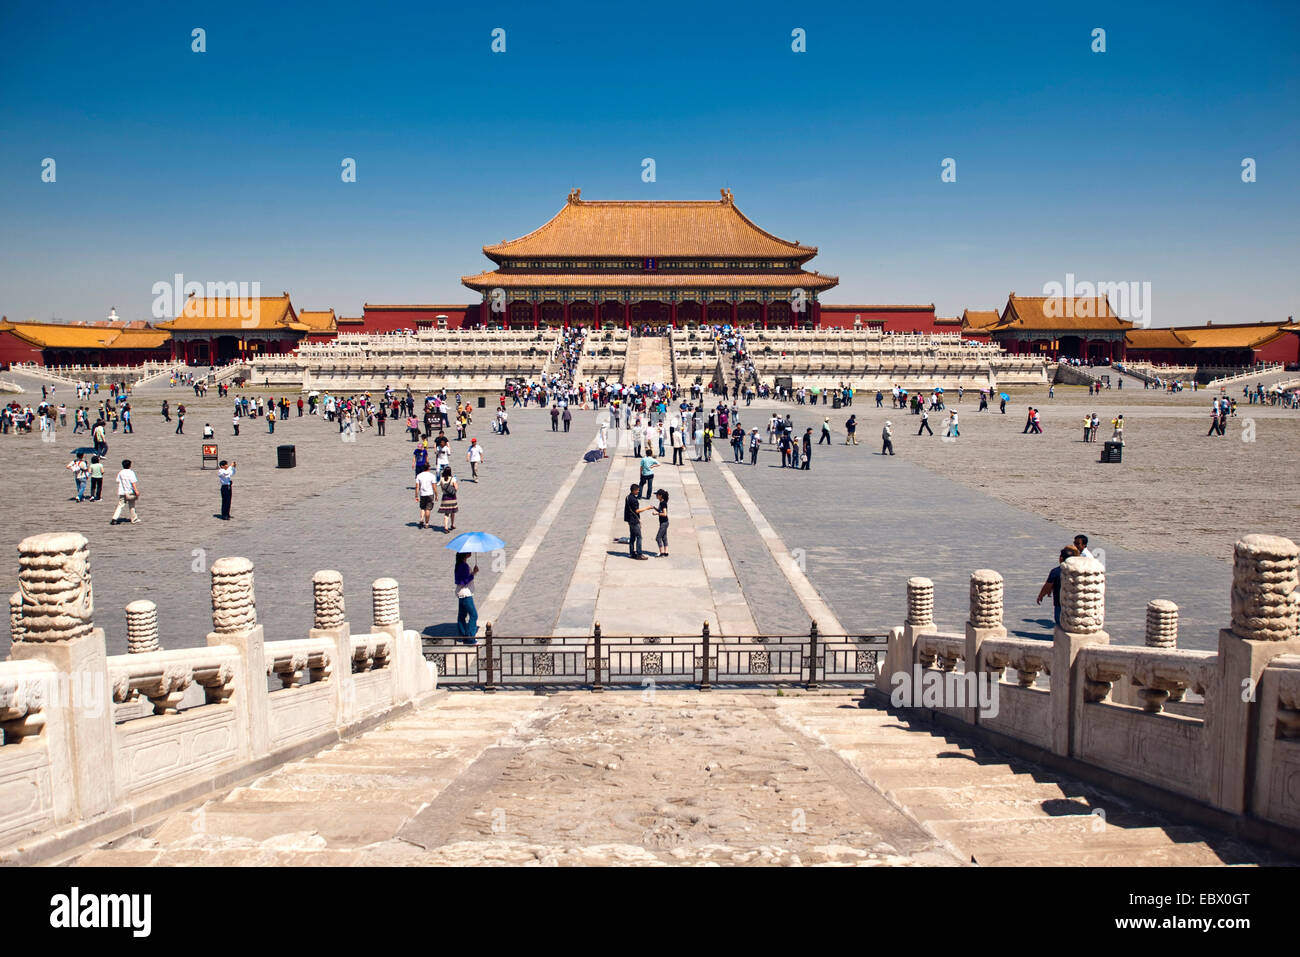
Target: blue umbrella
x=475 y=542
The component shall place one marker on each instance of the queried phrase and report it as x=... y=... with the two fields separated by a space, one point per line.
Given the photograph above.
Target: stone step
x=991 y=793
x=982 y=839
x=1195 y=854
x=348 y=823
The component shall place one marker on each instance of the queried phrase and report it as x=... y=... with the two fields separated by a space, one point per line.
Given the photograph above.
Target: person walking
x=447 y=503
x=80 y=470
x=96 y=472
x=180 y=420
x=270 y=420
x=425 y=495
x=886 y=435
x=474 y=455
x=826 y=431
x=755 y=443
x=567 y=418
x=1029 y=421
x=952 y=432
x=166 y=412
x=679 y=445
x=128 y=492
x=226 y=476
x=738 y=445
x=925 y=423
x=807 y=449
x=648 y=465
x=1053 y=583
x=466 y=613
x=851 y=430
x=555 y=418
x=632 y=515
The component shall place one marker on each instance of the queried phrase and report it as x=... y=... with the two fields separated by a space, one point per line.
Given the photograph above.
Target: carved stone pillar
x=1162 y=624
x=141 y=627
x=331 y=622
x=1265 y=592
x=1083 y=613
x=16 y=616
x=384 y=601
x=234 y=623
x=983 y=621
x=327 y=588
x=56 y=625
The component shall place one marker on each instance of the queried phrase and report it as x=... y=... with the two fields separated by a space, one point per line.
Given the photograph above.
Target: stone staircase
x=647 y=360
x=995 y=809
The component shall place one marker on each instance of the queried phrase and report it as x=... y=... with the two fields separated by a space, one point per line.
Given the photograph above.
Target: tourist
x=738 y=445
x=1117 y=424
x=1003 y=407
x=826 y=431
x=425 y=496
x=786 y=447
x=648 y=465
x=984 y=401
x=1081 y=546
x=851 y=430
x=632 y=515
x=755 y=442
x=474 y=455
x=421 y=454
x=96 y=471
x=925 y=423
x=447 y=504
x=555 y=418
x=208 y=432
x=1096 y=423
x=1087 y=428
x=886 y=435
x=466 y=613
x=661 y=510
x=128 y=491
x=270 y=420
x=807 y=449
x=952 y=425
x=1053 y=584
x=1029 y=421
x=602 y=440
x=567 y=417
x=234 y=421
x=180 y=420
x=226 y=476
x=166 y=412
x=80 y=471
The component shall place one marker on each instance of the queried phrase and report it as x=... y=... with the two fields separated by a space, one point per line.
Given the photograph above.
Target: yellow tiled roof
x=650 y=228
x=649 y=280
x=980 y=320
x=318 y=320
x=1043 y=312
x=1238 y=336
x=267 y=312
x=62 y=335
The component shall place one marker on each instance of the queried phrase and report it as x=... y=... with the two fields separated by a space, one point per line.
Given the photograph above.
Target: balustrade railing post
x=490 y=685
x=705 y=685
x=812 y=658
x=596 y=685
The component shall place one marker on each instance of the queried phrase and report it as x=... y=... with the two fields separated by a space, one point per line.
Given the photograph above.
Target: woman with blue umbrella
x=467 y=614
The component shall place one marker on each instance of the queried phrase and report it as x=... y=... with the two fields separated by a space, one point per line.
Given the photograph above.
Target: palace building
x=649 y=263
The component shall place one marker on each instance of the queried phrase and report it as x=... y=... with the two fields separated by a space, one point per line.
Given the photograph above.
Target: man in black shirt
x=632 y=515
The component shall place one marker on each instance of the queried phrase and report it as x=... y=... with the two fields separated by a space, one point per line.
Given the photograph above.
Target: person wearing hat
x=826 y=431
x=886 y=434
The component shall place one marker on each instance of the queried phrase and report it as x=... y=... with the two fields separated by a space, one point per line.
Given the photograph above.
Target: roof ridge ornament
x=727 y=197
x=575 y=196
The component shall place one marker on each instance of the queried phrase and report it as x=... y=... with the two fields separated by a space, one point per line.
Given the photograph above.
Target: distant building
x=66 y=344
x=653 y=262
x=1215 y=344
x=217 y=331
x=1074 y=328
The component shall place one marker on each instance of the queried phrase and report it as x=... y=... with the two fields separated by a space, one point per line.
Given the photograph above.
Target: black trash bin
x=288 y=456
x=482 y=402
x=835 y=401
x=1112 y=452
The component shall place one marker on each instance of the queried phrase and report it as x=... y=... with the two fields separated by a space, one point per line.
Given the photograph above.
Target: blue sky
x=225 y=165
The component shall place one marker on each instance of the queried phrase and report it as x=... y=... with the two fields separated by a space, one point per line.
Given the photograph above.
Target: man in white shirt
x=474 y=456
x=226 y=476
x=425 y=483
x=128 y=490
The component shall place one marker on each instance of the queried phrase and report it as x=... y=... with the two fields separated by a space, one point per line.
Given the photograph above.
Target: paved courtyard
x=752 y=548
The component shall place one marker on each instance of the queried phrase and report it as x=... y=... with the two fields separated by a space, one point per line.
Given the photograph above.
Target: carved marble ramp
x=574 y=778
x=993 y=809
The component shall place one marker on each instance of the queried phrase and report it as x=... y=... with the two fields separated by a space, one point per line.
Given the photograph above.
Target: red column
x=627 y=315
x=566 y=315
x=762 y=311
x=733 y=313
x=672 y=314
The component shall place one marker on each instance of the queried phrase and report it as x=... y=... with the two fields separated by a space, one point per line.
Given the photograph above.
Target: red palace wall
x=413 y=317
x=16 y=349
x=891 y=320
x=1284 y=349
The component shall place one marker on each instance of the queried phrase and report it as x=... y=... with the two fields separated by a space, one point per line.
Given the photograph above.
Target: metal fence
x=700 y=661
